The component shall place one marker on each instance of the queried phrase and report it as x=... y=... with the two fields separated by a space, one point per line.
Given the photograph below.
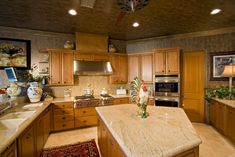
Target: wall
x=40 y=40
x=221 y=40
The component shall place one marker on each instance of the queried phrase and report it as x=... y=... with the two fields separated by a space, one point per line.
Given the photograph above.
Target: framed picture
x=15 y=53
x=217 y=62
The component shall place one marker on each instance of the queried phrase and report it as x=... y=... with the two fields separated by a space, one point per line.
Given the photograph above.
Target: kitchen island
x=166 y=132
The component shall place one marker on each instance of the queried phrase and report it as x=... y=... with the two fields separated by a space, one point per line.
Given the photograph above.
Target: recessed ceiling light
x=135 y=24
x=72 y=12
x=215 y=11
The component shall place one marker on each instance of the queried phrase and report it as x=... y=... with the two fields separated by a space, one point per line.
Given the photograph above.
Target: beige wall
x=40 y=40
x=221 y=40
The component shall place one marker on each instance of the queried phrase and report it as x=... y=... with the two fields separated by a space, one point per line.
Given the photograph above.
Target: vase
x=142 y=111
x=13 y=90
x=69 y=45
x=34 y=92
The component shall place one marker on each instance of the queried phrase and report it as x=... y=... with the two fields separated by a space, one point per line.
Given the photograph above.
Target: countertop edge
x=230 y=103
x=23 y=126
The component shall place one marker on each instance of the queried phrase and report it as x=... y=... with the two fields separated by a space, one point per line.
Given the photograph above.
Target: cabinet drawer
x=63 y=125
x=63 y=118
x=85 y=121
x=88 y=111
x=63 y=105
x=63 y=111
x=121 y=100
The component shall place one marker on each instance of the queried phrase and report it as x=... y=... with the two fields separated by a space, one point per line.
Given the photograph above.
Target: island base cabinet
x=10 y=151
x=107 y=144
x=190 y=153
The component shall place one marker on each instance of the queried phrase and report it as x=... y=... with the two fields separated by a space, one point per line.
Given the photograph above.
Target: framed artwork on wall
x=15 y=53
x=217 y=62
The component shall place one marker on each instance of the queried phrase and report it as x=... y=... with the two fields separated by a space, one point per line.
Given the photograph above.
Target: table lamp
x=229 y=71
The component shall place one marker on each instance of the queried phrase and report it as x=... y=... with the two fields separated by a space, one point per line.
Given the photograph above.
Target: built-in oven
x=167 y=101
x=167 y=90
x=167 y=85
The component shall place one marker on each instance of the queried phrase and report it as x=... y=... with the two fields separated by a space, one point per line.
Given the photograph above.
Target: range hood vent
x=92 y=68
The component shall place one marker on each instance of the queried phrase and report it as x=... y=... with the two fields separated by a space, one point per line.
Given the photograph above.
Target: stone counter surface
x=230 y=103
x=166 y=132
x=8 y=136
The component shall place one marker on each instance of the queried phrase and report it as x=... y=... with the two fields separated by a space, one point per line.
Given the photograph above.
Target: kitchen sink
x=32 y=106
x=17 y=115
x=10 y=123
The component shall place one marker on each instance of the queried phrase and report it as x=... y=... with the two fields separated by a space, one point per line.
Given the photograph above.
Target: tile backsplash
x=97 y=84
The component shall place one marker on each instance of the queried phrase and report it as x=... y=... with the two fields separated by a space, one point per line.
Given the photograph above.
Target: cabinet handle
x=230 y=112
x=59 y=82
x=162 y=70
x=84 y=121
x=64 y=82
x=168 y=70
x=64 y=125
x=83 y=111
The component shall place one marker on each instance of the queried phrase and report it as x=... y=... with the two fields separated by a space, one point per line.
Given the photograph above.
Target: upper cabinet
x=61 y=67
x=167 y=61
x=119 y=65
x=141 y=65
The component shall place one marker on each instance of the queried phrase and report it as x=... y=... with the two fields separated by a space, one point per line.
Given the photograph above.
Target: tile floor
x=213 y=143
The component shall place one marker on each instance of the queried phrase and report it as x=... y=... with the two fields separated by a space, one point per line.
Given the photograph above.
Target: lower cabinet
x=107 y=144
x=231 y=123
x=85 y=116
x=222 y=117
x=26 y=143
x=124 y=100
x=63 y=116
x=10 y=151
x=33 y=139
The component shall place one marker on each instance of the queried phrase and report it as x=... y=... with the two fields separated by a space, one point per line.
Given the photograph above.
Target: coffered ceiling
x=158 y=18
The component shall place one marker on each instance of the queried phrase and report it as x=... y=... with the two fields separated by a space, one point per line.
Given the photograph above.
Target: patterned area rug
x=83 y=149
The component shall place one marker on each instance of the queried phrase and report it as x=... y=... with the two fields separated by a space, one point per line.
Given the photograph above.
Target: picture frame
x=15 y=53
x=217 y=62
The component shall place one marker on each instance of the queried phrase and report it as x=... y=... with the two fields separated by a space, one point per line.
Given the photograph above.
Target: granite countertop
x=58 y=100
x=9 y=135
x=166 y=132
x=124 y=96
x=230 y=103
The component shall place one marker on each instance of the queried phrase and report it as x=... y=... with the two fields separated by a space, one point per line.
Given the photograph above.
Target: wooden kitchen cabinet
x=167 y=61
x=26 y=143
x=220 y=117
x=120 y=71
x=10 y=151
x=61 y=67
x=124 y=100
x=47 y=124
x=107 y=144
x=230 y=119
x=212 y=112
x=39 y=136
x=141 y=65
x=85 y=116
x=63 y=116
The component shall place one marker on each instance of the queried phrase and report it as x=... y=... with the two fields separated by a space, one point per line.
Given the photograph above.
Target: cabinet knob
x=84 y=121
x=84 y=112
x=64 y=82
x=63 y=117
x=59 y=82
x=168 y=70
x=162 y=70
x=64 y=125
x=230 y=112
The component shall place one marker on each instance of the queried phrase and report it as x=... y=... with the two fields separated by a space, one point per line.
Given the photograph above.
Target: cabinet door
x=114 y=78
x=172 y=61
x=212 y=113
x=103 y=139
x=26 y=143
x=39 y=136
x=113 y=148
x=159 y=62
x=231 y=123
x=147 y=68
x=10 y=152
x=47 y=124
x=220 y=108
x=123 y=69
x=67 y=68
x=133 y=67
x=55 y=68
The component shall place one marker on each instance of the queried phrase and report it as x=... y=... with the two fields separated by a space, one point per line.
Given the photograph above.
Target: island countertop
x=166 y=132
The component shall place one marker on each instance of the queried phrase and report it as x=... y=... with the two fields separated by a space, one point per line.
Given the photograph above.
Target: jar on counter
x=67 y=93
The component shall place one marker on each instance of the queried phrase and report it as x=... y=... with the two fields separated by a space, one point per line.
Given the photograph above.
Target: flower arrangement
x=140 y=96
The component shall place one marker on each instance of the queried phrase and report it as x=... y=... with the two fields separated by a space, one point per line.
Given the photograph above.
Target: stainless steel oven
x=167 y=90
x=167 y=85
x=167 y=101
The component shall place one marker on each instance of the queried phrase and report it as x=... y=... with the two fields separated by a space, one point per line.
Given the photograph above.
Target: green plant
x=210 y=93
x=221 y=92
